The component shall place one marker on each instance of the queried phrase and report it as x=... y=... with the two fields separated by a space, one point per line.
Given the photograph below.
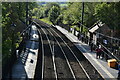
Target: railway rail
x=58 y=58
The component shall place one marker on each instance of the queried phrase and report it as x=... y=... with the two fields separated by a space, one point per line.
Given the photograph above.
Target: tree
x=109 y=14
x=48 y=7
x=12 y=12
x=53 y=14
x=59 y=19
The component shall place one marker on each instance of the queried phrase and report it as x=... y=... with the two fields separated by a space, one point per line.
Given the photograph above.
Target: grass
x=33 y=16
x=46 y=20
x=62 y=5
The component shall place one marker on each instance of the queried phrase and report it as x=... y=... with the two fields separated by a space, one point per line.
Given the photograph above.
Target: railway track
x=60 y=58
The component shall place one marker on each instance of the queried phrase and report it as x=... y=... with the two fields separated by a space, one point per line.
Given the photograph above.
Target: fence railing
x=107 y=52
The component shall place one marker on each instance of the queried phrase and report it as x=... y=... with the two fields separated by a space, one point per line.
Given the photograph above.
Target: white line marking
x=42 y=56
x=104 y=69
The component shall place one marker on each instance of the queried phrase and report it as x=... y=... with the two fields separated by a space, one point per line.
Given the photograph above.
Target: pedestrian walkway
x=100 y=65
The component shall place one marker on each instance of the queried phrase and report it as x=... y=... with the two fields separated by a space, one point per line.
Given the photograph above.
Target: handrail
x=26 y=28
x=108 y=36
x=110 y=53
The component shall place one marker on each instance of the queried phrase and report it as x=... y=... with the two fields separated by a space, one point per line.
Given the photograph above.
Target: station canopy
x=94 y=29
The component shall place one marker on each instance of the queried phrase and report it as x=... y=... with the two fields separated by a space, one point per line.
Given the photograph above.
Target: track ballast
x=59 y=58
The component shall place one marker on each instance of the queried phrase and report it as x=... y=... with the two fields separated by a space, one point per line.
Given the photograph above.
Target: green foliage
x=36 y=12
x=89 y=14
x=71 y=14
x=53 y=14
x=46 y=20
x=48 y=7
x=12 y=12
x=6 y=46
x=77 y=28
x=109 y=14
x=63 y=5
x=42 y=11
x=59 y=19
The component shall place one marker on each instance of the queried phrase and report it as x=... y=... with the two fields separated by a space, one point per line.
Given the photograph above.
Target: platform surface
x=26 y=63
x=100 y=65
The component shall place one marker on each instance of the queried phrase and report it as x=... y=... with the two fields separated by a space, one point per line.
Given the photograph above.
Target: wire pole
x=82 y=16
x=27 y=13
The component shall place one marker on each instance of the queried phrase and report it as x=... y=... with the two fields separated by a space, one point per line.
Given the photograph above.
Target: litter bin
x=112 y=63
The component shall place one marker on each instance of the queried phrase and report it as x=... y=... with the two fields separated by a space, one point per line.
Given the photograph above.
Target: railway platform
x=25 y=65
x=100 y=65
x=26 y=62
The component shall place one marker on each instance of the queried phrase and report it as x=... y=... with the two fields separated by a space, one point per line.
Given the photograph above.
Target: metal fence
x=111 y=48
